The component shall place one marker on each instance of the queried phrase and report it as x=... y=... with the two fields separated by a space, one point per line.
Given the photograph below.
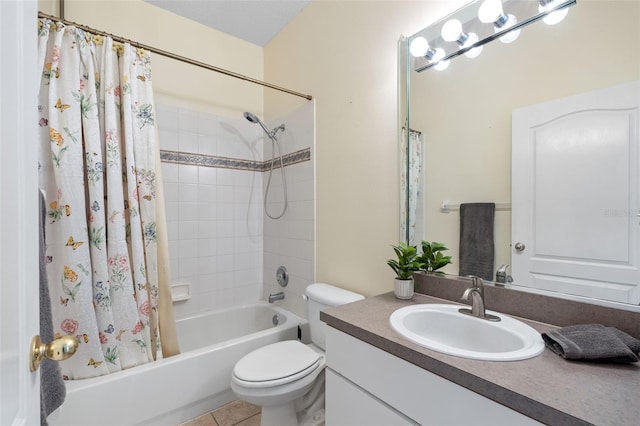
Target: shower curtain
x=97 y=163
x=410 y=188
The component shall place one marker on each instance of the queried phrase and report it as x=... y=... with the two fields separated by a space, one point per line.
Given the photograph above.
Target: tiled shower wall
x=213 y=175
x=290 y=241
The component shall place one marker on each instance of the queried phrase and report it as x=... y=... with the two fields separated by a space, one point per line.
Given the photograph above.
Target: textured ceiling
x=255 y=21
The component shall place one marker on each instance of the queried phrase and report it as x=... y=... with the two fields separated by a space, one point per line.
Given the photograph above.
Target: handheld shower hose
x=274 y=143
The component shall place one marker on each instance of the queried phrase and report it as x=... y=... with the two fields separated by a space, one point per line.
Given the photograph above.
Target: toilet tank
x=321 y=296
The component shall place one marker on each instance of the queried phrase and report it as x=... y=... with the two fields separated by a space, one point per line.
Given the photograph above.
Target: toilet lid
x=289 y=359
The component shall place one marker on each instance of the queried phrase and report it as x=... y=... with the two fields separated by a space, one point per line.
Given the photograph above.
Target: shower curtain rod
x=175 y=56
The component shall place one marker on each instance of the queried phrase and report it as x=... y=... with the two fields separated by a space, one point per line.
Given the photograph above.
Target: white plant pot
x=403 y=289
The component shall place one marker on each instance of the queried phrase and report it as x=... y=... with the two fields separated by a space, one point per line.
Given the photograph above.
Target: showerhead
x=254 y=119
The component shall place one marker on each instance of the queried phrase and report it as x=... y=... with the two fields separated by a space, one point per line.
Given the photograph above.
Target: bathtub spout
x=276 y=296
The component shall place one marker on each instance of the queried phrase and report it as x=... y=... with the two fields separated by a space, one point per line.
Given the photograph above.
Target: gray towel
x=52 y=388
x=593 y=342
x=476 y=240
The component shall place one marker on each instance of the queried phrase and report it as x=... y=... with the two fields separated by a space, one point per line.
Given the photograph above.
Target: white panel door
x=576 y=209
x=19 y=388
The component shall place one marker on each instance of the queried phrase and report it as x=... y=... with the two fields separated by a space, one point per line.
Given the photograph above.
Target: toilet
x=287 y=378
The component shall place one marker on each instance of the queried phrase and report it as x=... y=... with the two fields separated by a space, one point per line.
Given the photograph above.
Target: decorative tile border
x=187 y=158
x=290 y=159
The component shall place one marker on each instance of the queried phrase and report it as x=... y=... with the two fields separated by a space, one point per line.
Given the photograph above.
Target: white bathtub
x=176 y=389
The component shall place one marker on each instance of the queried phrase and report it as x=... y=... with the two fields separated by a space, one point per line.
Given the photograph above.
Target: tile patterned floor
x=236 y=413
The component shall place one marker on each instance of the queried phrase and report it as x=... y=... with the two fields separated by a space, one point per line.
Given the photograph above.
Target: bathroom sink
x=442 y=328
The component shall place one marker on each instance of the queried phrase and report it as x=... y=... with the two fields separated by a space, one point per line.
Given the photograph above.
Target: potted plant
x=405 y=264
x=432 y=258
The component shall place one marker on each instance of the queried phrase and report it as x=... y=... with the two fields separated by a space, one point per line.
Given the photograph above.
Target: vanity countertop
x=547 y=388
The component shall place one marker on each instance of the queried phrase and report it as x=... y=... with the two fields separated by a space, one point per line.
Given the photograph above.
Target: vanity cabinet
x=368 y=386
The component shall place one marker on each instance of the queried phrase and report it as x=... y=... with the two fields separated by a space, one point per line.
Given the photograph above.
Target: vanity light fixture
x=452 y=31
x=491 y=12
x=479 y=23
x=555 y=16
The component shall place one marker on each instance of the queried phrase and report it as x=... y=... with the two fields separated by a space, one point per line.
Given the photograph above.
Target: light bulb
x=451 y=30
x=554 y=17
x=441 y=65
x=473 y=38
x=511 y=35
x=419 y=47
x=490 y=11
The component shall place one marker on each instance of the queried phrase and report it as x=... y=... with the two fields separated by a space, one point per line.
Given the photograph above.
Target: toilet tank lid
x=331 y=295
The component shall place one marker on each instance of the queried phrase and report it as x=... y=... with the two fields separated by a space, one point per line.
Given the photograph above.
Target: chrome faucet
x=277 y=296
x=476 y=292
x=501 y=275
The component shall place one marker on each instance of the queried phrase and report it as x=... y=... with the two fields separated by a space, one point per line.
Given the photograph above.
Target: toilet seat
x=276 y=364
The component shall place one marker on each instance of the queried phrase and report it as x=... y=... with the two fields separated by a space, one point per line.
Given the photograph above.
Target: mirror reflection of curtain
x=411 y=161
x=97 y=163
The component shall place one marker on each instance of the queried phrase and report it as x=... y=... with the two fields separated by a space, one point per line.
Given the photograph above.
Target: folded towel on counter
x=476 y=240
x=593 y=342
x=630 y=341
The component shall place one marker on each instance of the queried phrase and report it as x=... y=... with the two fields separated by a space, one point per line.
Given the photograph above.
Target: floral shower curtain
x=97 y=162
x=410 y=188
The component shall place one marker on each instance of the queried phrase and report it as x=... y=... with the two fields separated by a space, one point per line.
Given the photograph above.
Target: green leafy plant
x=407 y=261
x=432 y=258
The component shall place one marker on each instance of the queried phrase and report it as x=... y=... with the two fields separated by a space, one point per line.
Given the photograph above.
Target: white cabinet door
x=19 y=388
x=349 y=405
x=576 y=202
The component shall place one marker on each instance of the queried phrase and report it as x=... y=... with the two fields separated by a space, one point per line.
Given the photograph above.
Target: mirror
x=463 y=113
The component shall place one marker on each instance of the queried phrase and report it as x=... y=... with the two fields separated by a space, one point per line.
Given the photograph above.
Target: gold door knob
x=58 y=350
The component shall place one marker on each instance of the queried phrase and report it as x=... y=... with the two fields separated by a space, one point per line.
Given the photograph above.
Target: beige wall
x=344 y=54
x=173 y=81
